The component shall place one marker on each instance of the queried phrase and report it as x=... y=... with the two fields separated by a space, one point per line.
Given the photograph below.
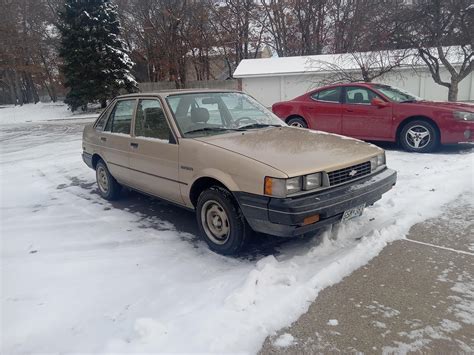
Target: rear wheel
x=297 y=122
x=109 y=188
x=221 y=222
x=419 y=136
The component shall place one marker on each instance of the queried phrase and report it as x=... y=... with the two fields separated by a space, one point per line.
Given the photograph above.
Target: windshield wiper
x=258 y=125
x=407 y=101
x=211 y=129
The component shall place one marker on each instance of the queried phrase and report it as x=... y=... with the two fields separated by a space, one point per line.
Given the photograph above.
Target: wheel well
x=415 y=118
x=95 y=160
x=200 y=185
x=295 y=116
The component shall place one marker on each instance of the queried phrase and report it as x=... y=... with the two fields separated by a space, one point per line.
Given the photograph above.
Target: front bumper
x=284 y=216
x=458 y=132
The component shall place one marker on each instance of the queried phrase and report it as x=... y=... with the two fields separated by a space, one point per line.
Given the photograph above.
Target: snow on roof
x=329 y=62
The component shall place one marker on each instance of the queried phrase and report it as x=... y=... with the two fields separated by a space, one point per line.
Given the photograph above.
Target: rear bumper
x=87 y=158
x=284 y=216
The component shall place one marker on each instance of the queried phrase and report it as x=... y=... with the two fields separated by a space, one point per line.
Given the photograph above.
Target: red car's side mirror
x=379 y=102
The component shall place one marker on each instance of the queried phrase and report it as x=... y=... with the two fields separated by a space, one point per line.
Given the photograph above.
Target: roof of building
x=277 y=66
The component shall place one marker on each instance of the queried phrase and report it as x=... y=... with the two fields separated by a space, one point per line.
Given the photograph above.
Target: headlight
x=282 y=187
x=377 y=161
x=463 y=115
x=293 y=185
x=312 y=181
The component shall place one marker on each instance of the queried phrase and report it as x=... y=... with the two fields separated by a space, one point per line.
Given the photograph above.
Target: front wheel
x=297 y=122
x=419 y=136
x=221 y=222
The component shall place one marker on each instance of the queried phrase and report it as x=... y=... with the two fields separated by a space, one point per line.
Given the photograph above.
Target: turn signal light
x=311 y=219
x=268 y=185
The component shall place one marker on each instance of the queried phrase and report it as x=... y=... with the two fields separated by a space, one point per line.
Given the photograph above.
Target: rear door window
x=328 y=95
x=120 y=120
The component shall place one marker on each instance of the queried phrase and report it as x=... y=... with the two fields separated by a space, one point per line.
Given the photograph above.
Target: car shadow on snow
x=161 y=215
x=155 y=211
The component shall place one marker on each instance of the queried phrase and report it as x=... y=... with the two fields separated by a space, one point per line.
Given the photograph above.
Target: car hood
x=458 y=106
x=296 y=151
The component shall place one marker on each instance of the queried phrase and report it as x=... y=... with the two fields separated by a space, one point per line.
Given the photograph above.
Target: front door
x=115 y=140
x=154 y=153
x=361 y=119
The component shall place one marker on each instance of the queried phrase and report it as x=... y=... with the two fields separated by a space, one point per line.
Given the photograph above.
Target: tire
x=297 y=122
x=419 y=136
x=108 y=187
x=228 y=231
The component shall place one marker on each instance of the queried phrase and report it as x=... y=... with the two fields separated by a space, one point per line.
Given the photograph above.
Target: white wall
x=269 y=90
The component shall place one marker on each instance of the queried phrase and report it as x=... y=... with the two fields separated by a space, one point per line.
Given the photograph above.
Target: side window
x=100 y=124
x=151 y=121
x=328 y=95
x=359 y=95
x=121 y=117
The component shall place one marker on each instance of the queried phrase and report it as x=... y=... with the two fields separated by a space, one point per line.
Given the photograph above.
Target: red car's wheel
x=297 y=122
x=419 y=136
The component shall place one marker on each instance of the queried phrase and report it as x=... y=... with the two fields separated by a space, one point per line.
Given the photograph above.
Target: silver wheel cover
x=296 y=124
x=102 y=179
x=418 y=137
x=215 y=222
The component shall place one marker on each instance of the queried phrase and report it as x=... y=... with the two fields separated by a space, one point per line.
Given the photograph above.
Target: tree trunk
x=453 y=90
x=103 y=103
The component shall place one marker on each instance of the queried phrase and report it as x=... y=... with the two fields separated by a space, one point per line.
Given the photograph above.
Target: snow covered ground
x=82 y=275
x=39 y=112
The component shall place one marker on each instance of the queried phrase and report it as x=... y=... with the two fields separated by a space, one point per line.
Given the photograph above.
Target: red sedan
x=379 y=112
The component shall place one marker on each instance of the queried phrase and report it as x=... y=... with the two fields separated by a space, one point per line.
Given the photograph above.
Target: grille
x=343 y=175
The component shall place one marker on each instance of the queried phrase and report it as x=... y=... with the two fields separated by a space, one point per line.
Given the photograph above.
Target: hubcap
x=215 y=222
x=102 y=179
x=418 y=137
x=296 y=124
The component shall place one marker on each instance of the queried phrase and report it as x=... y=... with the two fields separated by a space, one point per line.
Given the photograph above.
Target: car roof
x=355 y=83
x=165 y=93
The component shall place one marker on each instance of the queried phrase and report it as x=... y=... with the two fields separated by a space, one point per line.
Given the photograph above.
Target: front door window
x=150 y=121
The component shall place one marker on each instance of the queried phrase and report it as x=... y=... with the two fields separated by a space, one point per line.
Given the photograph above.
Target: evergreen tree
x=96 y=65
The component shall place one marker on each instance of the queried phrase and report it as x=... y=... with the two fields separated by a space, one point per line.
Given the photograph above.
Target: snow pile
x=82 y=275
x=284 y=341
x=39 y=112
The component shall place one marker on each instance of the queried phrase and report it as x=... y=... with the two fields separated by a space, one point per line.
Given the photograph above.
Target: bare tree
x=441 y=30
x=27 y=51
x=295 y=27
x=359 y=66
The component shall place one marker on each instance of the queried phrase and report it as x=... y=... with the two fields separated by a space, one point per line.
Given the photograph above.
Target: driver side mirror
x=379 y=102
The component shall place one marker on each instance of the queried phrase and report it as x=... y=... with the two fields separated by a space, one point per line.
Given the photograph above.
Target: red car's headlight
x=463 y=115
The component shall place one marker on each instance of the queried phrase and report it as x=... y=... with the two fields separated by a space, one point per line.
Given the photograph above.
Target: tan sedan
x=231 y=160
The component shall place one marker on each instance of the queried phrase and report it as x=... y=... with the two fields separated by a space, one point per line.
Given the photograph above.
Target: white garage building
x=275 y=79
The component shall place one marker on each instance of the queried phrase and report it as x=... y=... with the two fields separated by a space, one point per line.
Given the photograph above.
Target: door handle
x=348 y=110
x=103 y=139
x=134 y=145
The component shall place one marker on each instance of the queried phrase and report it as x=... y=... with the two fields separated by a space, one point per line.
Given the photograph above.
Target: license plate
x=353 y=212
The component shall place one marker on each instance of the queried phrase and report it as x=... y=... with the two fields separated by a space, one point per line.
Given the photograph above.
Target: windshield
x=395 y=94
x=203 y=114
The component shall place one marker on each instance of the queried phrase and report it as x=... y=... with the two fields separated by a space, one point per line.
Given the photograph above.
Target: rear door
x=363 y=120
x=154 y=158
x=324 y=111
x=115 y=140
